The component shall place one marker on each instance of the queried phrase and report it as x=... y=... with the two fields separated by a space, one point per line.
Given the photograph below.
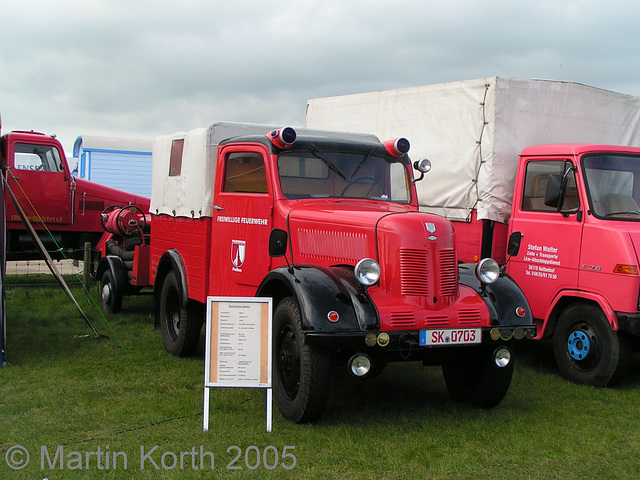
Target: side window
x=43 y=158
x=535 y=186
x=399 y=185
x=245 y=173
x=175 y=160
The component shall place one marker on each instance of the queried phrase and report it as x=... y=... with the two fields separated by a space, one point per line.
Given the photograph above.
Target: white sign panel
x=238 y=346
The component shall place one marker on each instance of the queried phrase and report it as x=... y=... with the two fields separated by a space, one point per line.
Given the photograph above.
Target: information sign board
x=238 y=346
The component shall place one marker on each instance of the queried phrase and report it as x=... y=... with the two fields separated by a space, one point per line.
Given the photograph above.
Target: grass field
x=97 y=403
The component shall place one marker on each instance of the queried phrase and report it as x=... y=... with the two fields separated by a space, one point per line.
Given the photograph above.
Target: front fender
x=319 y=292
x=565 y=297
x=171 y=260
x=502 y=297
x=120 y=279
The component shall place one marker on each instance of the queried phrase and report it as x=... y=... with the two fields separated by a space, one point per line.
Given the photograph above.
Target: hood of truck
x=340 y=232
x=101 y=196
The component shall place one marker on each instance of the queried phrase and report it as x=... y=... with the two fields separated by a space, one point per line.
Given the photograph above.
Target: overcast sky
x=139 y=68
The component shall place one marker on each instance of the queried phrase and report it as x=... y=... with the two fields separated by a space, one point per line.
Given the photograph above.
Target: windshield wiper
x=366 y=157
x=318 y=154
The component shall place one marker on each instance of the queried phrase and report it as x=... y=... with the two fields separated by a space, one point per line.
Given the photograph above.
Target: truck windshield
x=613 y=185
x=317 y=174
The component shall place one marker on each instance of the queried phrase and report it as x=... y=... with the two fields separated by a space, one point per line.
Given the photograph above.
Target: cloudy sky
x=139 y=68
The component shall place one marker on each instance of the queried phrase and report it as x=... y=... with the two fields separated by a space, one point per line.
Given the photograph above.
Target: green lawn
x=97 y=402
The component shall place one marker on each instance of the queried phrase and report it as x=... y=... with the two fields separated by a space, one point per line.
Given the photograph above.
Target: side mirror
x=514 y=244
x=278 y=243
x=553 y=195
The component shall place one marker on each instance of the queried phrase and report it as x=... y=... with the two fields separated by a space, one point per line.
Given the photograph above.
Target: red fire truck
x=64 y=210
x=328 y=226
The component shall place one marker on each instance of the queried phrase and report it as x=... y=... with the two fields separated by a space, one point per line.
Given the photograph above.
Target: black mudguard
x=502 y=297
x=118 y=271
x=318 y=292
x=169 y=261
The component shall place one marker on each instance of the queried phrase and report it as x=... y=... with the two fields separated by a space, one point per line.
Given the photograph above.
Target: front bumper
x=400 y=341
x=629 y=323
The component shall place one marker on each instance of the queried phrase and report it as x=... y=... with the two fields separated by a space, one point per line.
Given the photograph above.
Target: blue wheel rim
x=578 y=345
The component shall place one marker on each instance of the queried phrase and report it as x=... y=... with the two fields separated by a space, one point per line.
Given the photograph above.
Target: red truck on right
x=548 y=171
x=575 y=216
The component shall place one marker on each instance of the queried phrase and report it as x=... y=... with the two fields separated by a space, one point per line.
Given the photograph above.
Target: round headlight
x=502 y=357
x=367 y=271
x=487 y=270
x=360 y=365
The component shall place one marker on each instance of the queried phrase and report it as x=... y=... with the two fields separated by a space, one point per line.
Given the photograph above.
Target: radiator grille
x=414 y=272
x=448 y=272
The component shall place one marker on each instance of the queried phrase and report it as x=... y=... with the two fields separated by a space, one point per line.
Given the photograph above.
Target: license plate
x=451 y=336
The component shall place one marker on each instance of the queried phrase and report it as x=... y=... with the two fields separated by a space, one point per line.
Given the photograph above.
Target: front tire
x=586 y=349
x=110 y=301
x=180 y=326
x=302 y=372
x=478 y=382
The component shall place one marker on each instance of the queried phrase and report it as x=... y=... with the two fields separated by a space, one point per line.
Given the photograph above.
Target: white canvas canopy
x=189 y=193
x=473 y=131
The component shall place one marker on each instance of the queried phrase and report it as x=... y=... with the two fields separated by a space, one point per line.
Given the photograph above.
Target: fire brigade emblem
x=431 y=227
x=238 y=248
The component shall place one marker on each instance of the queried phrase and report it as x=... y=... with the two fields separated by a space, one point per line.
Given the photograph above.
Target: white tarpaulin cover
x=189 y=192
x=473 y=131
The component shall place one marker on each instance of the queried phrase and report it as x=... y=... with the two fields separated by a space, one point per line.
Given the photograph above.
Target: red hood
x=341 y=232
x=109 y=195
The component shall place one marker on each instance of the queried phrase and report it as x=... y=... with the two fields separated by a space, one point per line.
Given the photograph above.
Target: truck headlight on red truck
x=367 y=272
x=487 y=270
x=423 y=166
x=502 y=357
x=360 y=364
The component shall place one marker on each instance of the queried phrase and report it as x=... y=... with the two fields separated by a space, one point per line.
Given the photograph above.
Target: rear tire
x=180 y=326
x=586 y=349
x=301 y=372
x=478 y=382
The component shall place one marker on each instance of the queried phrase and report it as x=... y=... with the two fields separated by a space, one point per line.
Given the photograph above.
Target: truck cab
x=64 y=210
x=576 y=214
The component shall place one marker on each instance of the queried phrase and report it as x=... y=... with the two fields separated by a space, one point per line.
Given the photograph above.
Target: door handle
x=218 y=207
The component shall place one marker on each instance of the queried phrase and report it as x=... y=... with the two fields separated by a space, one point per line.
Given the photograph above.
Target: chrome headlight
x=487 y=270
x=367 y=271
x=423 y=166
x=502 y=357
x=360 y=365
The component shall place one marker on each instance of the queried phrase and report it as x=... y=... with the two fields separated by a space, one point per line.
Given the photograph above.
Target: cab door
x=40 y=181
x=549 y=254
x=242 y=221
